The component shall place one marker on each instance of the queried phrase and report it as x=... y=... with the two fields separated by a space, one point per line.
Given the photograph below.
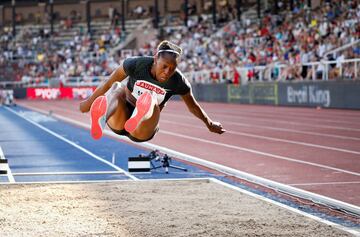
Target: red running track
x=315 y=150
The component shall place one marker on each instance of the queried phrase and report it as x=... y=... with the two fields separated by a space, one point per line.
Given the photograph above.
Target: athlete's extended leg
x=145 y=118
x=110 y=108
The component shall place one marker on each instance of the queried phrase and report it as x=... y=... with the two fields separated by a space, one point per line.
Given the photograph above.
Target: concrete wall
x=328 y=94
x=254 y=93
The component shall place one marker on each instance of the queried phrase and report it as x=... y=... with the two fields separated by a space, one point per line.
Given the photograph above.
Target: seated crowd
x=285 y=40
x=41 y=58
x=282 y=42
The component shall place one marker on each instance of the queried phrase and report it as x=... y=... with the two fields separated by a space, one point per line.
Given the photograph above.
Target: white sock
x=116 y=86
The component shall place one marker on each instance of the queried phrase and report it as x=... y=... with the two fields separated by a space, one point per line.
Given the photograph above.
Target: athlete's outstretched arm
x=196 y=110
x=118 y=75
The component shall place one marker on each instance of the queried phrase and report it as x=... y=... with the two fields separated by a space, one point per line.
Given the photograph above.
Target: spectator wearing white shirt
x=304 y=57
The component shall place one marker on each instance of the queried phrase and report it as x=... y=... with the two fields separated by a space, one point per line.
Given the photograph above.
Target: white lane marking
x=325 y=183
x=277 y=121
x=349 y=230
x=275 y=115
x=109 y=181
x=8 y=170
x=287 y=115
x=302 y=124
x=295 y=131
x=276 y=128
x=260 y=153
x=274 y=139
x=68 y=173
x=74 y=144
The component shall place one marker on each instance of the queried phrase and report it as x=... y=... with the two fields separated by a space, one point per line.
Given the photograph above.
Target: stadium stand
x=282 y=45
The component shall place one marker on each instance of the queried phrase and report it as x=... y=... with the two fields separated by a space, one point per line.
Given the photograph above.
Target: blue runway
x=40 y=148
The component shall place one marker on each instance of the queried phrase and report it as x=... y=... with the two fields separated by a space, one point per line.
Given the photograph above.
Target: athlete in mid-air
x=134 y=110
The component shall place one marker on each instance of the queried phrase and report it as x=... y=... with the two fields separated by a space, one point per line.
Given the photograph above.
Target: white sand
x=151 y=208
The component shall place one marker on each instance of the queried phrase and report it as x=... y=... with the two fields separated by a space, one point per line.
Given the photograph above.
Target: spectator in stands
x=236 y=75
x=111 y=13
x=139 y=11
x=134 y=110
x=304 y=55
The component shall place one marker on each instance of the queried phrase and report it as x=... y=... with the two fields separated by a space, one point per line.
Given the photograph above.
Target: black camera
x=164 y=159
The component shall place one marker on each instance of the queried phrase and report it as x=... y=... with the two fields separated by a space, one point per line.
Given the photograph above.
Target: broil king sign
x=308 y=95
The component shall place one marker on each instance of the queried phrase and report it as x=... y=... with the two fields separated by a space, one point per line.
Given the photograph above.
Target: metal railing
x=322 y=70
x=348 y=69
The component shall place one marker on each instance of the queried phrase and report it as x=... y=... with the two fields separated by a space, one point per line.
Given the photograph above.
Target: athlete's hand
x=84 y=106
x=216 y=127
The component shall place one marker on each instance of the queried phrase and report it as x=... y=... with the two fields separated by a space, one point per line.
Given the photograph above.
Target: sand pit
x=151 y=208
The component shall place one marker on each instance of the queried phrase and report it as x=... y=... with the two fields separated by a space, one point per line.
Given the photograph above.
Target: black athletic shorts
x=123 y=132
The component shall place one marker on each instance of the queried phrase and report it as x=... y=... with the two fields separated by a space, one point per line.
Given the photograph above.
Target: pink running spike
x=98 y=118
x=144 y=105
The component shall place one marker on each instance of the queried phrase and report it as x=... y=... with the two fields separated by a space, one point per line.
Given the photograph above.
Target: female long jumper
x=134 y=110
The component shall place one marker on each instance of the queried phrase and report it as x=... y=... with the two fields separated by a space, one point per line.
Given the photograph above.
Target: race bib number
x=142 y=86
